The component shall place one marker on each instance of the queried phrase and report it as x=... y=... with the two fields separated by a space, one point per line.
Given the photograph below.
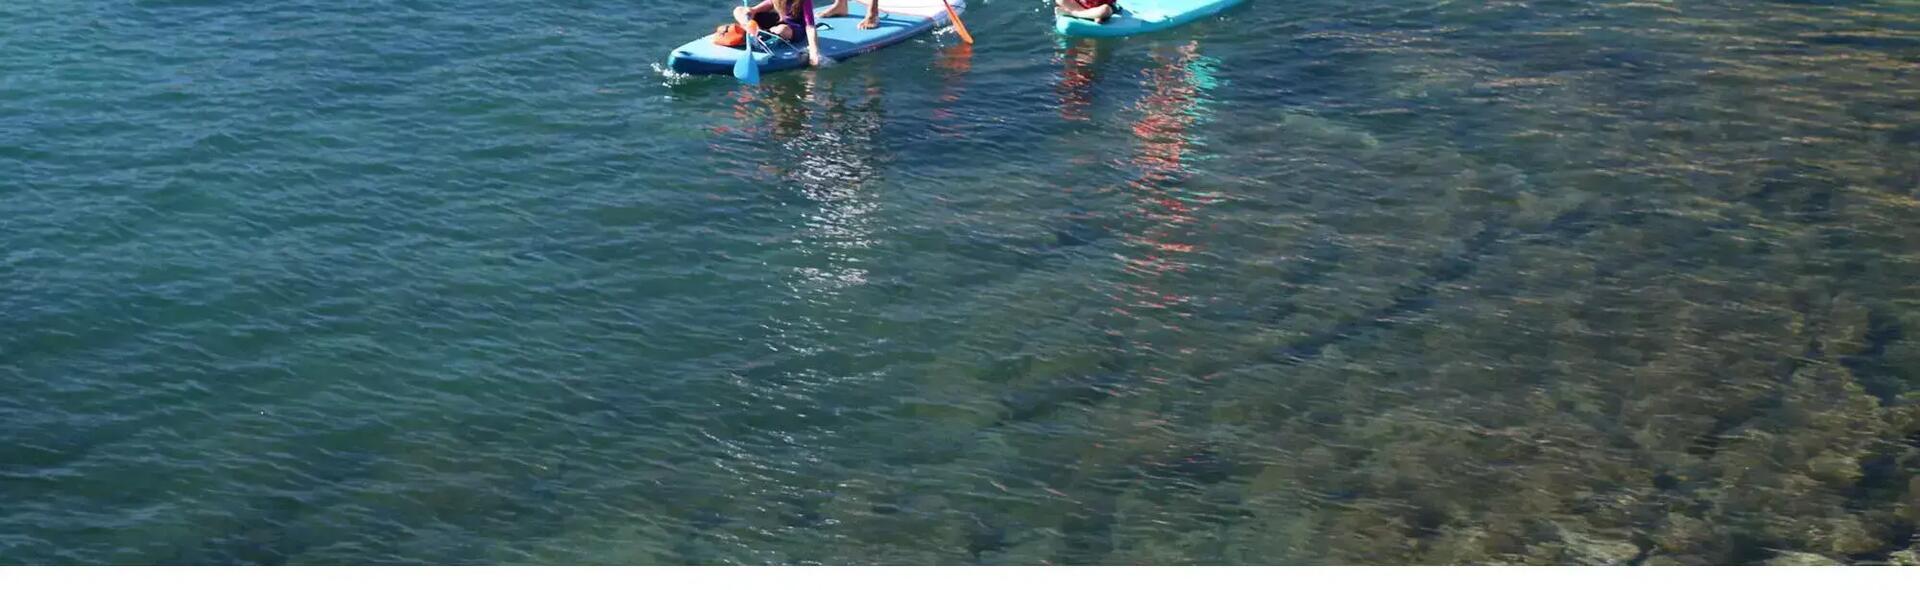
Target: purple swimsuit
x=797 y=21
x=800 y=22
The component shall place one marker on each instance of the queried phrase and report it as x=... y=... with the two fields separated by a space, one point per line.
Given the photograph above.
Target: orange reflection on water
x=1163 y=137
x=742 y=111
x=1168 y=109
x=1075 y=88
x=953 y=63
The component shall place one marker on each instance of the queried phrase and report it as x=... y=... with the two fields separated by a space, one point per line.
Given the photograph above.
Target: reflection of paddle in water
x=953 y=64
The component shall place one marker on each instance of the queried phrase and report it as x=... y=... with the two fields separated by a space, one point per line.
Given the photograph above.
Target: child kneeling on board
x=1094 y=10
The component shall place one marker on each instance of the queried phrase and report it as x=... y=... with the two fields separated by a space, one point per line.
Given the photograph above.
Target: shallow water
x=1354 y=281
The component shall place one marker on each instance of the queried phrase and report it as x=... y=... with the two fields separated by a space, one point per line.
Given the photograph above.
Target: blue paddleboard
x=1142 y=16
x=840 y=38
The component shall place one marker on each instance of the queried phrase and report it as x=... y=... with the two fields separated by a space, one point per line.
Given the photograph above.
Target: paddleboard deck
x=1142 y=16
x=840 y=38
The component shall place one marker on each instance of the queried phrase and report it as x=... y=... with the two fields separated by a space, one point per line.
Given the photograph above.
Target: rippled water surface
x=1322 y=281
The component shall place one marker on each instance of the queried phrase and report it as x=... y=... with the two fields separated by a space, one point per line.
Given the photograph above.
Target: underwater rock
x=1683 y=535
x=1834 y=468
x=1671 y=560
x=1848 y=536
x=1795 y=558
x=1025 y=547
x=1587 y=550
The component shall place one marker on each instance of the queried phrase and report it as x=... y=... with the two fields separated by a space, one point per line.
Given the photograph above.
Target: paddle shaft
x=958 y=27
x=747 y=70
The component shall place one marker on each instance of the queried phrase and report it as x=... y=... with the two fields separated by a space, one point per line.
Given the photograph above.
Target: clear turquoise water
x=1355 y=281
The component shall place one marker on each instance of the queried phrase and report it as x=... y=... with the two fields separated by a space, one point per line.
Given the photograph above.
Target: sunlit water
x=1323 y=281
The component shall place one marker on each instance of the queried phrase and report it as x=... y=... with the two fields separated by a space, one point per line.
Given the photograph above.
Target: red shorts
x=1091 y=3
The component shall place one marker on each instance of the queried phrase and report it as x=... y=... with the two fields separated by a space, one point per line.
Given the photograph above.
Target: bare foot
x=1098 y=14
x=872 y=20
x=838 y=9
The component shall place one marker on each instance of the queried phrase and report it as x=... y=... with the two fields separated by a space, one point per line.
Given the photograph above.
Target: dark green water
x=1325 y=281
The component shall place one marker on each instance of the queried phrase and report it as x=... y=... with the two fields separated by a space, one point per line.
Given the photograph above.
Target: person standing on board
x=839 y=8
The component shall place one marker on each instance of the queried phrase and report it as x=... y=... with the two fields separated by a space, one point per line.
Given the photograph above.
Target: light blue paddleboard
x=840 y=38
x=1142 y=16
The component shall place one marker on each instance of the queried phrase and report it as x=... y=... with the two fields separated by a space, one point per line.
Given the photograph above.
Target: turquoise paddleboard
x=840 y=38
x=1142 y=16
